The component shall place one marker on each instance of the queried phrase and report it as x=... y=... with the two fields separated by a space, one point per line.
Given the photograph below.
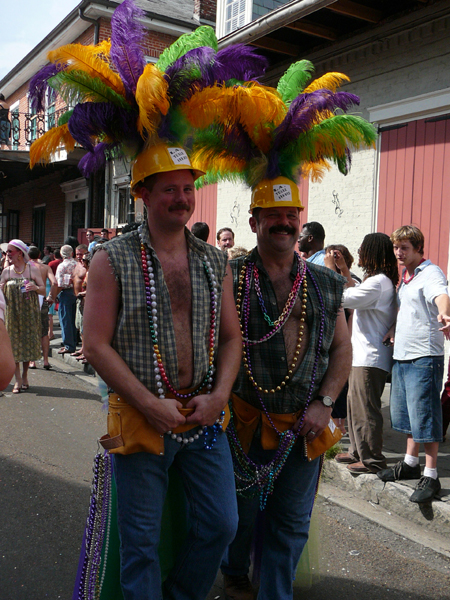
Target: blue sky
x=24 y=24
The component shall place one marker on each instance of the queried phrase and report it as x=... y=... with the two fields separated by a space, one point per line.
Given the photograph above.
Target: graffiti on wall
x=337 y=205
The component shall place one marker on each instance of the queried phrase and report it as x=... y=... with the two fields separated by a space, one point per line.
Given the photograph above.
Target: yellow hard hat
x=160 y=158
x=280 y=191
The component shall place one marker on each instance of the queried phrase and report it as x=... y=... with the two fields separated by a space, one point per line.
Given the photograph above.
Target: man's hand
x=164 y=415
x=207 y=409
x=340 y=261
x=389 y=338
x=329 y=261
x=445 y=320
x=316 y=420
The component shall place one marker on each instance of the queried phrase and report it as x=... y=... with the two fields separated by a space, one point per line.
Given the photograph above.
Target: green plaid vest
x=269 y=360
x=132 y=338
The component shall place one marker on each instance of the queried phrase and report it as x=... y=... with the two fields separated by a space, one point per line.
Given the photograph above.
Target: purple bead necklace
x=160 y=371
x=253 y=479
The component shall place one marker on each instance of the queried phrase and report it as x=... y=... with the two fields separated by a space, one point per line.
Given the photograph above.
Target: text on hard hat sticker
x=282 y=192
x=179 y=156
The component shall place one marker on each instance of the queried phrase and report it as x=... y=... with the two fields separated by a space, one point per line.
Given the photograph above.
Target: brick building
x=47 y=204
x=397 y=57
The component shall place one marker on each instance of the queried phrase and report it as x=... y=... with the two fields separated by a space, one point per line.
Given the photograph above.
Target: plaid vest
x=269 y=360
x=132 y=339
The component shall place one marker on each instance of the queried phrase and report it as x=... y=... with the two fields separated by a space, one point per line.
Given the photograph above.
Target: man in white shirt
x=422 y=322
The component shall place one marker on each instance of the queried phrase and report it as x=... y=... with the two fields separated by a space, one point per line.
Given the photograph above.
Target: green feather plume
x=64 y=118
x=79 y=86
x=202 y=36
x=293 y=82
x=327 y=140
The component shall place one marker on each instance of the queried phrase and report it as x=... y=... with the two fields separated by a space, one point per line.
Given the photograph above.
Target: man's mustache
x=282 y=229
x=179 y=206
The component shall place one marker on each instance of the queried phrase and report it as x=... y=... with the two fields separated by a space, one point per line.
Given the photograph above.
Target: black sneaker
x=238 y=587
x=399 y=471
x=425 y=490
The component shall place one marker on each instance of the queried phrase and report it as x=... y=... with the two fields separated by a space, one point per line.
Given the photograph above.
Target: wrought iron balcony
x=20 y=130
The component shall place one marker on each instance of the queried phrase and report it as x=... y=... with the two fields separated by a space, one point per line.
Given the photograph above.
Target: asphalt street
x=47 y=445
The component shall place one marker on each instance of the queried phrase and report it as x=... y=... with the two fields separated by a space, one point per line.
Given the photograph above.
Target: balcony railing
x=21 y=129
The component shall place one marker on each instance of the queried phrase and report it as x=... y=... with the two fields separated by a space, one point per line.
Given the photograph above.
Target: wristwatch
x=326 y=401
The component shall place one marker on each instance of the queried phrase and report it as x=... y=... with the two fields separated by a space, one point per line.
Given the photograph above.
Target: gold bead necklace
x=246 y=348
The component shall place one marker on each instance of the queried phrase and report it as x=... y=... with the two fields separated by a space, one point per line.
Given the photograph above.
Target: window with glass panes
x=51 y=108
x=234 y=15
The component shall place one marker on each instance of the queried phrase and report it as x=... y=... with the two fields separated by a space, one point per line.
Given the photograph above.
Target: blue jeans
x=286 y=524
x=67 y=308
x=416 y=398
x=208 y=482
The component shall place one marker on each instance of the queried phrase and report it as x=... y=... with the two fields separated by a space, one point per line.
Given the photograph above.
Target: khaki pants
x=365 y=421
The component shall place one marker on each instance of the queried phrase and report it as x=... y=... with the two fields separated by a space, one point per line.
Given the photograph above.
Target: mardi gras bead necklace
x=254 y=479
x=160 y=371
x=90 y=581
x=287 y=310
x=300 y=280
x=406 y=280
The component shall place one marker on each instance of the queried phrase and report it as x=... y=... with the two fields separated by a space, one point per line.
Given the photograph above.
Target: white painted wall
x=345 y=205
x=233 y=202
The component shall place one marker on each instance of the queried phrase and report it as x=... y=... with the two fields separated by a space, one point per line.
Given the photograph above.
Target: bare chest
x=295 y=329
x=178 y=282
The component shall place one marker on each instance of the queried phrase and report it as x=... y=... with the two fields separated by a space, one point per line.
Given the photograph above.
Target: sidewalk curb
x=375 y=513
x=393 y=497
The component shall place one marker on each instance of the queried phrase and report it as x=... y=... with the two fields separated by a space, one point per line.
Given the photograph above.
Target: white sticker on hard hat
x=179 y=156
x=282 y=192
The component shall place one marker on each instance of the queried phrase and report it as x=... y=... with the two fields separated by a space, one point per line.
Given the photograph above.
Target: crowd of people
x=397 y=330
x=34 y=286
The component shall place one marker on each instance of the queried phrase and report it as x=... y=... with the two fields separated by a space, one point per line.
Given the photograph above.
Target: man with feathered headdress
x=161 y=329
x=296 y=360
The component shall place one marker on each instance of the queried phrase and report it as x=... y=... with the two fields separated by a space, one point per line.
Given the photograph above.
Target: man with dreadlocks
x=375 y=307
x=296 y=361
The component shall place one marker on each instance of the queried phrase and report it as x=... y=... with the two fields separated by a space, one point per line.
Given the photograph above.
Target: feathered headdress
x=121 y=104
x=255 y=133
x=206 y=100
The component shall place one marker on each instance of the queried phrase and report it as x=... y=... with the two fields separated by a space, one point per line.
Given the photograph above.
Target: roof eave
x=273 y=21
x=71 y=27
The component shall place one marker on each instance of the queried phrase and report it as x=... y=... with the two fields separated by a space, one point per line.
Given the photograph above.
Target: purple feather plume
x=96 y=159
x=303 y=112
x=93 y=119
x=238 y=143
x=39 y=85
x=192 y=71
x=273 y=169
x=239 y=62
x=127 y=35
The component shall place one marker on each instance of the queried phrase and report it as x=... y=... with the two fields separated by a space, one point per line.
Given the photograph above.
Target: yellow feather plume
x=315 y=170
x=151 y=97
x=85 y=58
x=209 y=160
x=103 y=48
x=329 y=81
x=42 y=149
x=256 y=107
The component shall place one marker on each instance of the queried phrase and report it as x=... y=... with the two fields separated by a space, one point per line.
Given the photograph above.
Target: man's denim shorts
x=416 y=398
